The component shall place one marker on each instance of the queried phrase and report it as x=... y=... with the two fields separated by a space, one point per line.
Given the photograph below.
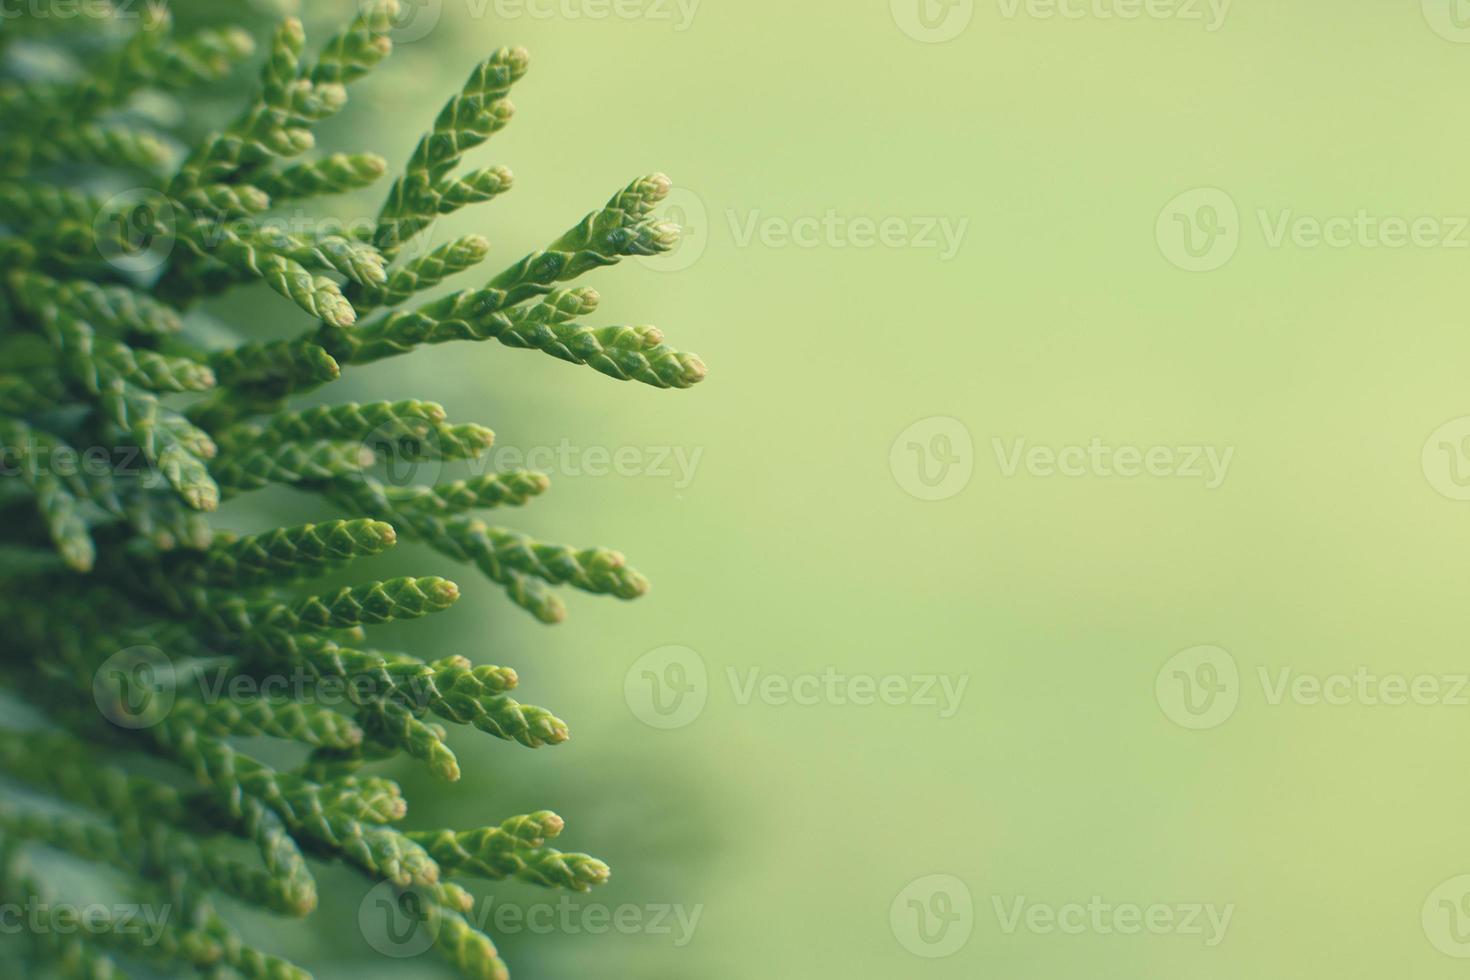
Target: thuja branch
x=127 y=612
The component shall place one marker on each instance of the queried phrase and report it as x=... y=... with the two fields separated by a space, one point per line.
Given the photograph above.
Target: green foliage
x=108 y=564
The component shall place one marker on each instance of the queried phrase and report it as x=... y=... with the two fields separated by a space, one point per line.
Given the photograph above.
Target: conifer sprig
x=134 y=624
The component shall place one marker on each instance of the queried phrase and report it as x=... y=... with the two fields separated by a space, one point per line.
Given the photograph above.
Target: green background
x=797 y=546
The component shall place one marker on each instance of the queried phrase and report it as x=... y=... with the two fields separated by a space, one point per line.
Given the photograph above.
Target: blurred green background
x=1115 y=187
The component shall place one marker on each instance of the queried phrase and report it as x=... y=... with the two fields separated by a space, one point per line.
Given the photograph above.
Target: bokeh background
x=1131 y=190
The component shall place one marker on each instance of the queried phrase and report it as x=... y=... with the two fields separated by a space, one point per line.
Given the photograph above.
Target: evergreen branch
x=57 y=926
x=480 y=110
x=152 y=58
x=101 y=365
x=397 y=727
x=63 y=765
x=501 y=852
x=93 y=352
x=470 y=950
x=513 y=489
x=226 y=201
x=21 y=396
x=278 y=262
x=149 y=850
x=253 y=469
x=232 y=776
x=427 y=272
x=57 y=503
x=106 y=307
x=624 y=227
x=386 y=422
x=335 y=174
x=624 y=353
x=179 y=449
x=114 y=145
x=279 y=718
x=375 y=603
x=291 y=553
x=466 y=541
x=357 y=49
x=290 y=366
